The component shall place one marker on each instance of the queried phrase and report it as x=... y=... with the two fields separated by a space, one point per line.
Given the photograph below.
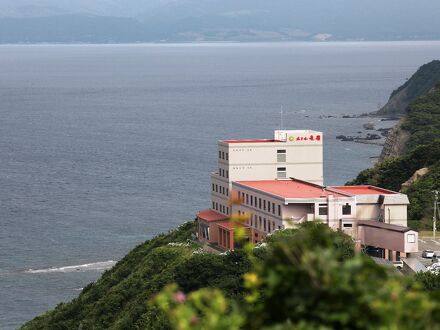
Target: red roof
x=291 y=188
x=249 y=141
x=365 y=190
x=211 y=215
x=228 y=225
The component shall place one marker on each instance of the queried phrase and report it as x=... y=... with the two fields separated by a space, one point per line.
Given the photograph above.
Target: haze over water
x=105 y=146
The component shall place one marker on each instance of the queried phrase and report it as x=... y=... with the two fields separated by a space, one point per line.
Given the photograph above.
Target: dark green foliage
x=423 y=150
x=421 y=193
x=423 y=119
x=120 y=298
x=392 y=172
x=311 y=276
x=426 y=77
x=211 y=270
x=430 y=281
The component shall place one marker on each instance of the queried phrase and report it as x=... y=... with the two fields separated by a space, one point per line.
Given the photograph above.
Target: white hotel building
x=280 y=184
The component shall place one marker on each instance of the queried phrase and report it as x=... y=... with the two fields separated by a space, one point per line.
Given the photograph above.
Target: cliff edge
x=421 y=82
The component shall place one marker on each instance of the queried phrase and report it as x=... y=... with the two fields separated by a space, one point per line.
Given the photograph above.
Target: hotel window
x=227 y=156
x=264 y=224
x=213 y=187
x=213 y=205
x=322 y=209
x=219 y=154
x=255 y=222
x=252 y=200
x=273 y=208
x=216 y=188
x=227 y=192
x=223 y=155
x=346 y=209
x=259 y=203
x=247 y=199
x=264 y=205
x=259 y=220
x=281 y=156
x=281 y=173
x=411 y=238
x=268 y=207
x=227 y=174
x=279 y=210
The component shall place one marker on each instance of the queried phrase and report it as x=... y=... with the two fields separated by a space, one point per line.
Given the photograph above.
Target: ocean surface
x=105 y=146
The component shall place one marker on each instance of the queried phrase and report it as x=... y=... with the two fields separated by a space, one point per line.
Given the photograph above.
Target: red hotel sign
x=305 y=138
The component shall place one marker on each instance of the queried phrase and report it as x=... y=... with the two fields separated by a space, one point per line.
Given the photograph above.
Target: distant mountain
x=425 y=79
x=217 y=20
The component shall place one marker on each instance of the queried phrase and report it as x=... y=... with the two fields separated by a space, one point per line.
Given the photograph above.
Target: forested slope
x=426 y=77
x=422 y=123
x=120 y=298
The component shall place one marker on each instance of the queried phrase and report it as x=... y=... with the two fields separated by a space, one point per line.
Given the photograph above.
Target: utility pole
x=434 y=218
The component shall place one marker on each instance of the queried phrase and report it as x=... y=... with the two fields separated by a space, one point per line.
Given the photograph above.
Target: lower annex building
x=280 y=184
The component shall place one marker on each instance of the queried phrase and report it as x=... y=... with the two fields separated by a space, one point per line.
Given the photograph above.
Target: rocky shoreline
x=375 y=136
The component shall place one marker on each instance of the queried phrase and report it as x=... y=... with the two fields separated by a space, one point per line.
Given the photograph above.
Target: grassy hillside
x=422 y=122
x=426 y=77
x=299 y=279
x=119 y=299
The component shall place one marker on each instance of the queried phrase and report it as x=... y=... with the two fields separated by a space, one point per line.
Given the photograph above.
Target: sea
x=104 y=146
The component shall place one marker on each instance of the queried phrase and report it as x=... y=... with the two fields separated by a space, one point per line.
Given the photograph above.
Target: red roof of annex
x=295 y=188
x=364 y=190
x=211 y=215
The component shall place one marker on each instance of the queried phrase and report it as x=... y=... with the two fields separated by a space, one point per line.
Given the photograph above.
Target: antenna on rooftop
x=281 y=117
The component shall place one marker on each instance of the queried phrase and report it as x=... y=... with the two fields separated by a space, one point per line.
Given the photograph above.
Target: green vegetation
x=426 y=77
x=308 y=278
x=119 y=299
x=304 y=278
x=423 y=150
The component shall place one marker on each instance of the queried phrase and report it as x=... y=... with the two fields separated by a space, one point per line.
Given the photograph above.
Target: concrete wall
x=387 y=239
x=368 y=211
x=297 y=211
x=392 y=214
x=395 y=214
x=258 y=161
x=413 y=244
x=311 y=172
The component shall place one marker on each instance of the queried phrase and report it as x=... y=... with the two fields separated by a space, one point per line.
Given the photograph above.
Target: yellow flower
x=251 y=279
